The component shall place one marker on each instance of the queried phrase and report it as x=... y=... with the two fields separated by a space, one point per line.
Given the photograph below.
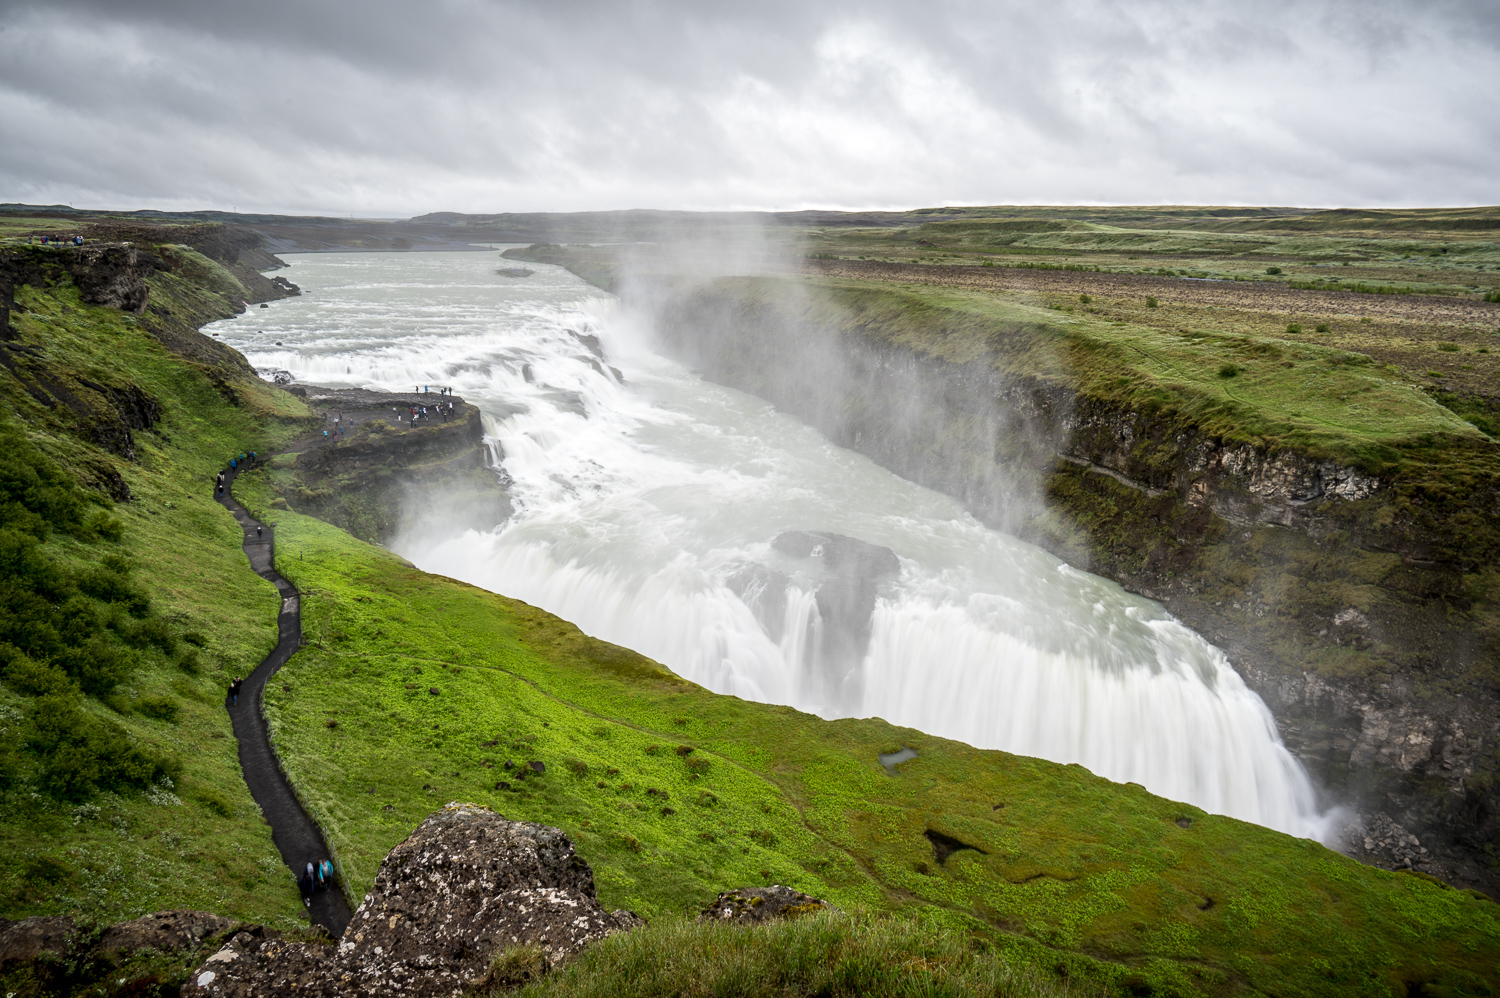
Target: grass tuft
x=821 y=953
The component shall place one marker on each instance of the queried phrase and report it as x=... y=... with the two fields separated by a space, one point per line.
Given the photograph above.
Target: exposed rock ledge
x=1241 y=483
x=464 y=887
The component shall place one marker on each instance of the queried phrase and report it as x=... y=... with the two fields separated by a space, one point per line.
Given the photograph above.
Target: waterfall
x=749 y=554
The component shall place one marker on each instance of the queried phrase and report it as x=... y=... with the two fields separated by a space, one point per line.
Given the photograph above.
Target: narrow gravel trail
x=296 y=835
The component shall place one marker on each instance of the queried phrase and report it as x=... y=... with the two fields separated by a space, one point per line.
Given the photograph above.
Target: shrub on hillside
x=1151 y=303
x=36 y=496
x=1273 y=271
x=66 y=635
x=160 y=709
x=81 y=754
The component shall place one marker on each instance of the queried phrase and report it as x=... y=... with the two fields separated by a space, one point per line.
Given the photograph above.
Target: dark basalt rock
x=762 y=904
x=24 y=941
x=465 y=886
x=55 y=956
x=847 y=598
x=165 y=930
x=854 y=570
x=111 y=275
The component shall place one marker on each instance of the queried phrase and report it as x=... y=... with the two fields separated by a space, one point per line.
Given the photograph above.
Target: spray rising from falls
x=747 y=553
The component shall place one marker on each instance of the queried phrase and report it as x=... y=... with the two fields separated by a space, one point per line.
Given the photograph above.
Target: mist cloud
x=379 y=107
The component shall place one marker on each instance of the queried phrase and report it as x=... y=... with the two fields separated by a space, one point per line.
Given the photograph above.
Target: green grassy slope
x=1441 y=251
x=1066 y=868
x=834 y=955
x=1323 y=401
x=124 y=847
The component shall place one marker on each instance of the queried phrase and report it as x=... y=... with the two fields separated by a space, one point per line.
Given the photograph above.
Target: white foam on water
x=639 y=502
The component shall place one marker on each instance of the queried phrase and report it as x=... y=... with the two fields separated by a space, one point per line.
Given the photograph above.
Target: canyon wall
x=1363 y=624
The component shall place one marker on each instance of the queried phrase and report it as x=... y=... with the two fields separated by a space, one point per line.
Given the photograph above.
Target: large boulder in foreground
x=465 y=886
x=25 y=941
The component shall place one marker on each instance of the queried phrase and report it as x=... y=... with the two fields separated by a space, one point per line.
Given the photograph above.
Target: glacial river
x=645 y=502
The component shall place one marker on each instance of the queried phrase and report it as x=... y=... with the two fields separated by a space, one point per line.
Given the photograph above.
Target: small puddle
x=890 y=760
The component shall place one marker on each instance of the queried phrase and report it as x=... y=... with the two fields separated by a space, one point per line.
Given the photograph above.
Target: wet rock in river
x=853 y=571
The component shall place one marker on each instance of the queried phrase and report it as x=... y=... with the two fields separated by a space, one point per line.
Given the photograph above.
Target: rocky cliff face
x=145 y=956
x=1351 y=615
x=465 y=887
x=110 y=275
x=384 y=478
x=97 y=406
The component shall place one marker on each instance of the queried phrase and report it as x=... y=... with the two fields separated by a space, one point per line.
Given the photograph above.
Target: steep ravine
x=1351 y=621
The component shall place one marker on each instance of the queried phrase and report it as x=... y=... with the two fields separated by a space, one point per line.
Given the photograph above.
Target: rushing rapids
x=747 y=553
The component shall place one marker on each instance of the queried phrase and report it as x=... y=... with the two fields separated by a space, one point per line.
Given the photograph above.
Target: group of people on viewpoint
x=442 y=410
x=59 y=240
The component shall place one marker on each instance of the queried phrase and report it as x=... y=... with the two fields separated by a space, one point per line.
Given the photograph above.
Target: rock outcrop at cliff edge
x=465 y=886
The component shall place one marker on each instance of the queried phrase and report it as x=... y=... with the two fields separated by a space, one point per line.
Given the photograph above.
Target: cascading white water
x=644 y=505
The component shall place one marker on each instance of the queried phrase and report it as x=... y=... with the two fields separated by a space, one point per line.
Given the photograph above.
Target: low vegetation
x=835 y=955
x=127 y=608
x=1320 y=400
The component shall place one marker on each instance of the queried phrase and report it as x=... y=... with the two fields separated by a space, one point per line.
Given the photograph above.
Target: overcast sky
x=398 y=107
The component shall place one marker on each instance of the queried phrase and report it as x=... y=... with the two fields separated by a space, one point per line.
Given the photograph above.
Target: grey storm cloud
x=385 y=107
